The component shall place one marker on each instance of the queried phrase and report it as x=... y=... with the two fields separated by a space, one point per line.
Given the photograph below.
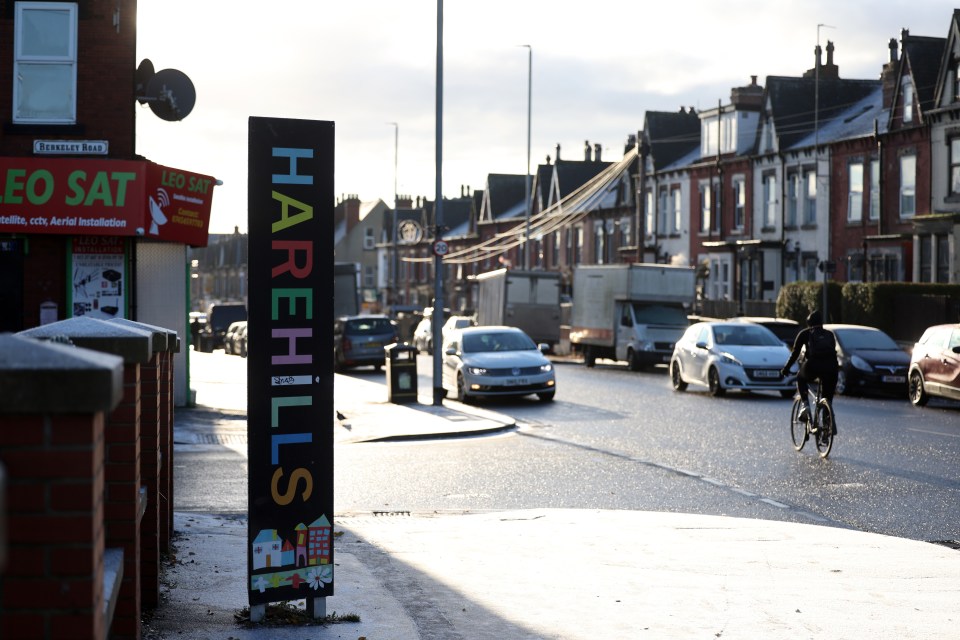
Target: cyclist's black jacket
x=811 y=362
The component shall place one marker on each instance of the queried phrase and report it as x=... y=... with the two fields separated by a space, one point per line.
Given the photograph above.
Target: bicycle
x=819 y=424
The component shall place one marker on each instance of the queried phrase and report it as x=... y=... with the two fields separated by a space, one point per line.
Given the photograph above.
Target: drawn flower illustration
x=320 y=576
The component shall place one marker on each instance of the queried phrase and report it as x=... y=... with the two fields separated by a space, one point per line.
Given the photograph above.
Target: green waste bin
x=401 y=365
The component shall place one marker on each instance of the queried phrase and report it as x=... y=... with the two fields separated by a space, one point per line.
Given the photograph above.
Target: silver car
x=731 y=355
x=496 y=361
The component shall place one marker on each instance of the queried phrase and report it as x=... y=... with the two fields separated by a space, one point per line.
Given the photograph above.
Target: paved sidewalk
x=572 y=574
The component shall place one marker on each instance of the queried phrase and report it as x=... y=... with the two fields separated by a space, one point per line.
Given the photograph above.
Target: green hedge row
x=868 y=303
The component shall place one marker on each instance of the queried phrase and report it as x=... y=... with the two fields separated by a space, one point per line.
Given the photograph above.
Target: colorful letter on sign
x=289 y=369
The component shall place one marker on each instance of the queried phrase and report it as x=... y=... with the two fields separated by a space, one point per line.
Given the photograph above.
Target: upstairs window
x=45 y=63
x=955 y=166
x=810 y=203
x=908 y=186
x=793 y=199
x=907 y=101
x=739 y=204
x=855 y=192
x=874 y=189
x=677 y=209
x=706 y=208
x=769 y=200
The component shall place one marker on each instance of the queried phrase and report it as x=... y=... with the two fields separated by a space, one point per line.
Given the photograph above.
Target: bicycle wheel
x=798 y=428
x=824 y=437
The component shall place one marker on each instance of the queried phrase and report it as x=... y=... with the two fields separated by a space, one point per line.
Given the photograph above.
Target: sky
x=597 y=67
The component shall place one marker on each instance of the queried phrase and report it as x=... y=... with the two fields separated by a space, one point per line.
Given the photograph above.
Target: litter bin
x=401 y=361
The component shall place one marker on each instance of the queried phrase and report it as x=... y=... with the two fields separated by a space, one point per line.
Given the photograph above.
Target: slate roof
x=506 y=194
x=855 y=122
x=792 y=102
x=573 y=174
x=671 y=135
x=923 y=54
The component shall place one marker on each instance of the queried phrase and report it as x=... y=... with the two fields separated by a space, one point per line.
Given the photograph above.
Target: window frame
x=874 y=212
x=739 y=203
x=22 y=61
x=908 y=188
x=855 y=192
x=769 y=200
x=810 y=179
x=953 y=168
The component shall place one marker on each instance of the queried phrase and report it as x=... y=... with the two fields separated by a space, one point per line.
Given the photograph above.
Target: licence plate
x=894 y=379
x=766 y=373
x=516 y=382
x=373 y=345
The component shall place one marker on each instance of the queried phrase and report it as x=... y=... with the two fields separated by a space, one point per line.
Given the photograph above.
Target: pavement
x=559 y=573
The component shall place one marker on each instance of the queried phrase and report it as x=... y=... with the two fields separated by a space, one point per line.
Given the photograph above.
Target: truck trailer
x=528 y=300
x=630 y=312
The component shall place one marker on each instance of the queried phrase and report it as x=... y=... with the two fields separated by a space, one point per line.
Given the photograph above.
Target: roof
x=923 y=54
x=671 y=136
x=573 y=174
x=506 y=194
x=799 y=105
x=857 y=121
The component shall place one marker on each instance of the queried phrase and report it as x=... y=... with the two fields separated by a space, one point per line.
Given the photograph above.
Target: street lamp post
x=437 y=321
x=526 y=235
x=395 y=269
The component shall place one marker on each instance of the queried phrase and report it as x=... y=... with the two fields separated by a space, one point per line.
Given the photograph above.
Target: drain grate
x=391 y=513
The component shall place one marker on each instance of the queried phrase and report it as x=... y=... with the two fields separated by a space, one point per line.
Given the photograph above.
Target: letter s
x=287 y=497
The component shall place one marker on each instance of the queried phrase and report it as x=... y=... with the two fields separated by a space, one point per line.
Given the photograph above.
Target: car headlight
x=546 y=368
x=726 y=358
x=860 y=363
x=476 y=371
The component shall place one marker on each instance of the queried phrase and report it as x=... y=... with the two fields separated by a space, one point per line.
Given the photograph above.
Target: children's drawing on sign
x=306 y=559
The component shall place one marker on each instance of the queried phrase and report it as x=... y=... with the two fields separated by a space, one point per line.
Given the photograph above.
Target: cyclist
x=819 y=362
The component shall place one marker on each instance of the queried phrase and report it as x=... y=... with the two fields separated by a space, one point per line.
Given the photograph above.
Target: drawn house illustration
x=287 y=553
x=300 y=533
x=319 y=541
x=266 y=549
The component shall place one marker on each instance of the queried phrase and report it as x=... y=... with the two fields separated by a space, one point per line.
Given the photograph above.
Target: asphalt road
x=616 y=439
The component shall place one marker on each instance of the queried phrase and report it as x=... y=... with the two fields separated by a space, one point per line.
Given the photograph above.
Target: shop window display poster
x=98 y=266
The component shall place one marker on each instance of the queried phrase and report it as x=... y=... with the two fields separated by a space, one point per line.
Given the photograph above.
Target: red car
x=935 y=364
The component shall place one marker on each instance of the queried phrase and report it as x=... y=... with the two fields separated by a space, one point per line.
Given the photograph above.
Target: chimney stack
x=586 y=151
x=596 y=151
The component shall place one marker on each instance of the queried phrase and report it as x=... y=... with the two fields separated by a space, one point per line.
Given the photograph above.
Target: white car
x=731 y=355
x=496 y=361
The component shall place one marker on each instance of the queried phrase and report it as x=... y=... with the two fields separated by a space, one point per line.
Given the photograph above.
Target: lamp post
x=394 y=279
x=437 y=321
x=526 y=235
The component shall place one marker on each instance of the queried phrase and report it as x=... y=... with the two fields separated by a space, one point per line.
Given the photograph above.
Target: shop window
x=45 y=63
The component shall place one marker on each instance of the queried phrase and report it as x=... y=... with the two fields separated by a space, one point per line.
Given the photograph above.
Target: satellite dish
x=170 y=94
x=142 y=77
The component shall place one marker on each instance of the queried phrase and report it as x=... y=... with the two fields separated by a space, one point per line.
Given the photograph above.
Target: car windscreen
x=368 y=326
x=659 y=314
x=222 y=317
x=497 y=341
x=748 y=336
x=862 y=339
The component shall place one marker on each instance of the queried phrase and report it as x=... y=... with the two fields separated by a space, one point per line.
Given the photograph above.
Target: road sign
x=441 y=248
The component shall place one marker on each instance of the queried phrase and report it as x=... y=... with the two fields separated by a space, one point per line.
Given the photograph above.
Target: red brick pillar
x=156 y=395
x=125 y=498
x=52 y=420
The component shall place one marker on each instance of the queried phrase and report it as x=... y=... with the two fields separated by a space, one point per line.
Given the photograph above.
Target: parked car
x=731 y=355
x=935 y=364
x=219 y=318
x=870 y=361
x=783 y=328
x=496 y=361
x=359 y=340
x=423 y=336
x=234 y=339
x=456 y=322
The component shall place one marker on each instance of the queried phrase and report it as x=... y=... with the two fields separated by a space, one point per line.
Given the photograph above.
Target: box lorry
x=528 y=300
x=346 y=297
x=630 y=312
